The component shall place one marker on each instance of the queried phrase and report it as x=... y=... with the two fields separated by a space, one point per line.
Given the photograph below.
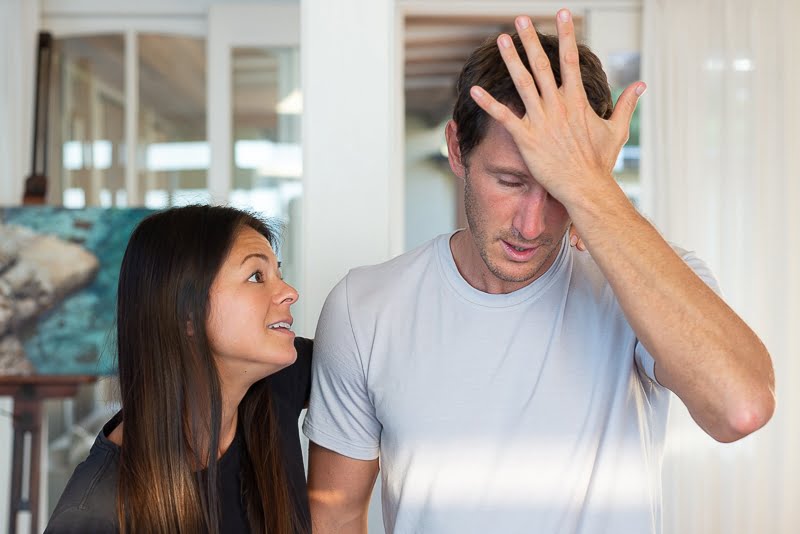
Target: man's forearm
x=339 y=491
x=332 y=520
x=703 y=351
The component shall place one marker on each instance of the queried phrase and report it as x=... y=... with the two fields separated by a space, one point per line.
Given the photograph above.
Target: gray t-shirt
x=533 y=411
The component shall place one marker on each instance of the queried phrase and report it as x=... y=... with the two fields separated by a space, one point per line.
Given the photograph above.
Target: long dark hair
x=170 y=386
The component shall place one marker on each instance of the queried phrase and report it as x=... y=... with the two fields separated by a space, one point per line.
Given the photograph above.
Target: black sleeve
x=76 y=521
x=294 y=383
x=89 y=500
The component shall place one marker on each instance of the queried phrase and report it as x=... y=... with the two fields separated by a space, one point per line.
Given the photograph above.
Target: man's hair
x=485 y=68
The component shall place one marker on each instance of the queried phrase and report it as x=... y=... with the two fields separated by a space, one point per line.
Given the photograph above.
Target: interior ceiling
x=436 y=47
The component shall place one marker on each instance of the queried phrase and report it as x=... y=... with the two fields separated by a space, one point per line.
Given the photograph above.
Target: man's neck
x=473 y=269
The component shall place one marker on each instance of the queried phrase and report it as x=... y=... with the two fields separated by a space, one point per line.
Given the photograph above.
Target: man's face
x=516 y=226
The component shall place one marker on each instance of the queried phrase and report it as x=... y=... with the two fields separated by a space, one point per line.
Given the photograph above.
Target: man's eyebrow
x=511 y=171
x=256 y=255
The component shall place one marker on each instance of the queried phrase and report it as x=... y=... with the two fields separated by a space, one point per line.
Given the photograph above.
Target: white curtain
x=19 y=22
x=721 y=172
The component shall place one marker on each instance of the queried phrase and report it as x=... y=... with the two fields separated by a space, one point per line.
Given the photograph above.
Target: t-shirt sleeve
x=294 y=383
x=644 y=360
x=341 y=416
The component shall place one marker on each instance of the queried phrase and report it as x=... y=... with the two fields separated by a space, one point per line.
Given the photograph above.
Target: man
x=504 y=381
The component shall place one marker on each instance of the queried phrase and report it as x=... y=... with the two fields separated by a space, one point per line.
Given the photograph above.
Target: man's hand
x=575 y=239
x=567 y=147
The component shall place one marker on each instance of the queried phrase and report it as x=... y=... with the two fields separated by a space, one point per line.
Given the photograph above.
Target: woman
x=204 y=442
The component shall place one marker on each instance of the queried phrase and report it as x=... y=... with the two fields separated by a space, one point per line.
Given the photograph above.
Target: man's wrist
x=598 y=200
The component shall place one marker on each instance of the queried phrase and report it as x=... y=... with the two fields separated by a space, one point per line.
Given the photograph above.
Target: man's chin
x=518 y=275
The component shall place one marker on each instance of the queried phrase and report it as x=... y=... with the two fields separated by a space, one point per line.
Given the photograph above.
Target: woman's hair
x=170 y=386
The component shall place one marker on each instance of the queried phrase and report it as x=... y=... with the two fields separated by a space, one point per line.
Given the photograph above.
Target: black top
x=88 y=503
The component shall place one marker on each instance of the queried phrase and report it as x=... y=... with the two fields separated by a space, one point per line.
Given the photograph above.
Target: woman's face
x=249 y=326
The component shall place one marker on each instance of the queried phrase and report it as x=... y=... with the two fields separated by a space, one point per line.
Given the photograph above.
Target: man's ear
x=454 y=150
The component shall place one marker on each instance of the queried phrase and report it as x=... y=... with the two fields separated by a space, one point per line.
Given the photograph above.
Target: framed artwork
x=58 y=281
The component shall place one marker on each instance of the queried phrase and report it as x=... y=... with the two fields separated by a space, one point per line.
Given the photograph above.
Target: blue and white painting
x=58 y=281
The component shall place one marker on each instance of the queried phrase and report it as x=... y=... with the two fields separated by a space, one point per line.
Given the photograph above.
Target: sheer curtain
x=721 y=164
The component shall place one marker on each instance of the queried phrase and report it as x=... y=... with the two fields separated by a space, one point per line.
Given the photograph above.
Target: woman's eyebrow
x=256 y=255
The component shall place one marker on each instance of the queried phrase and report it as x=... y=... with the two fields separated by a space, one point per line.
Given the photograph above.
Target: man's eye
x=506 y=183
x=257 y=277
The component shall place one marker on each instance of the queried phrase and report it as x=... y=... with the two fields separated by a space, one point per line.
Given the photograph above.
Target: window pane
x=623 y=69
x=172 y=152
x=86 y=159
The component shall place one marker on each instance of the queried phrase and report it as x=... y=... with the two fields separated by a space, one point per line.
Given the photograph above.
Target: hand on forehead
x=564 y=143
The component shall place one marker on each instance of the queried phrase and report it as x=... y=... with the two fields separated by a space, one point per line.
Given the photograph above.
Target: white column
x=351 y=146
x=19 y=24
x=132 y=190
x=219 y=125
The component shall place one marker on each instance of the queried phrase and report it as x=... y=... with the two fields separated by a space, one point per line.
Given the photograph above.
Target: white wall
x=18 y=41
x=19 y=24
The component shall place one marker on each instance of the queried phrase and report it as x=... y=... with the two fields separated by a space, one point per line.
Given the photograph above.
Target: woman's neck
x=233 y=387
x=229 y=421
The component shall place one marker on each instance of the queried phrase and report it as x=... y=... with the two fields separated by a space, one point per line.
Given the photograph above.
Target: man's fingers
x=496 y=110
x=575 y=240
x=523 y=80
x=626 y=105
x=537 y=58
x=568 y=55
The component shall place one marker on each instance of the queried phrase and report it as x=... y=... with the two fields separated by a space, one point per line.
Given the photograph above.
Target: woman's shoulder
x=293 y=384
x=76 y=520
x=88 y=503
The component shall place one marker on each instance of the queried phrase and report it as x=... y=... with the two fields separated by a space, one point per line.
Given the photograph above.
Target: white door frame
x=230 y=26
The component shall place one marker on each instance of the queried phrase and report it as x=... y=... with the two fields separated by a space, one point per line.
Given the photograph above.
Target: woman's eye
x=256 y=277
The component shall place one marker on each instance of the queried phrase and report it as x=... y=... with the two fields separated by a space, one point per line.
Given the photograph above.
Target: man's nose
x=529 y=221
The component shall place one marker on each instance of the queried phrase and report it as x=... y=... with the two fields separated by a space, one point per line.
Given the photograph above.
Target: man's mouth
x=518 y=253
